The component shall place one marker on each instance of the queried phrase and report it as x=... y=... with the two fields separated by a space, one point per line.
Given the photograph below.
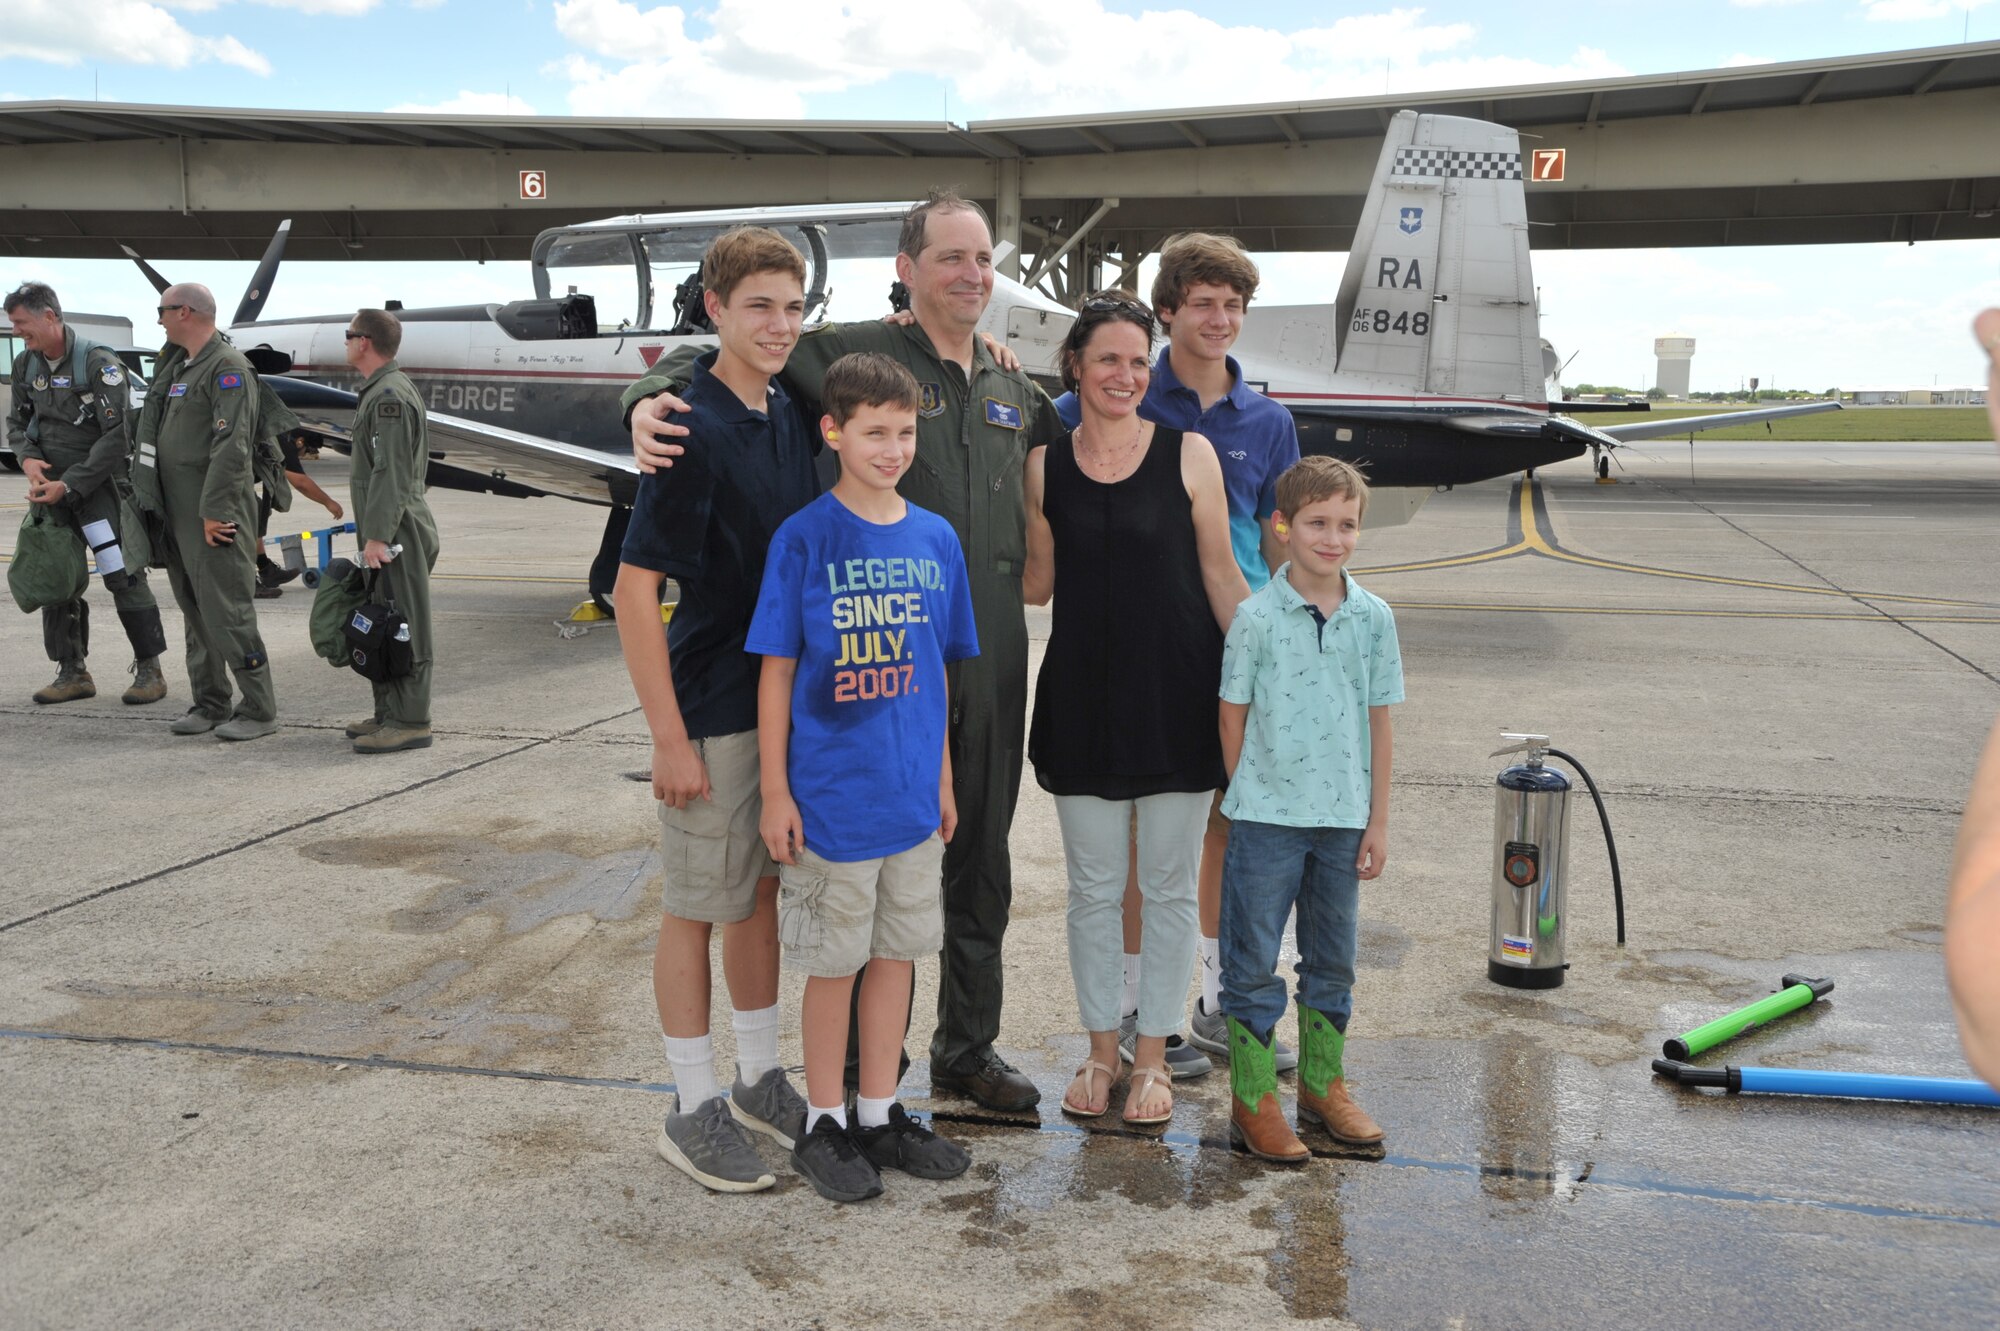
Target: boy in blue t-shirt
x=706 y=523
x=1309 y=671
x=864 y=604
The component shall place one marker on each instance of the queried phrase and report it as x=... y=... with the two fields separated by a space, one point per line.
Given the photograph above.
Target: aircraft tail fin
x=1438 y=295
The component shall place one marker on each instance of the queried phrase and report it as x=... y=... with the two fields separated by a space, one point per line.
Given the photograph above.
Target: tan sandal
x=1089 y=1069
x=1143 y=1080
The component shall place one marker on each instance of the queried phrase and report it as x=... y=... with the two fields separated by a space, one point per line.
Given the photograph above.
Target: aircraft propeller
x=259 y=289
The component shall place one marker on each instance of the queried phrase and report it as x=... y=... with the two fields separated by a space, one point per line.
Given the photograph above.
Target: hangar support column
x=1007 y=214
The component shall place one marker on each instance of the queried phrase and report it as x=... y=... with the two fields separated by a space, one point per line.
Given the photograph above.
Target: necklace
x=1102 y=462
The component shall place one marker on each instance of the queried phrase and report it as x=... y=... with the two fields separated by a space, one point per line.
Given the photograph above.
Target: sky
x=1806 y=316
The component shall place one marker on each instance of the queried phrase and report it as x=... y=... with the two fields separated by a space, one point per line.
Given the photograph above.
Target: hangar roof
x=1799 y=83
x=1892 y=146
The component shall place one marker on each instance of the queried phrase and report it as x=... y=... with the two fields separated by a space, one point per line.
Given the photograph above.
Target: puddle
x=522 y=889
x=413 y=1021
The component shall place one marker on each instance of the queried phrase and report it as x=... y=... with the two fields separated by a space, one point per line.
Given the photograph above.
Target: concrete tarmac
x=293 y=1037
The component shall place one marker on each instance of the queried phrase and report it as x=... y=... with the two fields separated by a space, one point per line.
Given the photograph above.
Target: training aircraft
x=1427 y=370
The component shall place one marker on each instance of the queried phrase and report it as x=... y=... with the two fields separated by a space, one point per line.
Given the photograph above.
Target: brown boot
x=72 y=682
x=148 y=684
x=1336 y=1111
x=1264 y=1131
x=1323 y=1093
x=1254 y=1116
x=392 y=738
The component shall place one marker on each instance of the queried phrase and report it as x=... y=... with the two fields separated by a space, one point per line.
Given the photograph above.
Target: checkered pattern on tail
x=1455 y=163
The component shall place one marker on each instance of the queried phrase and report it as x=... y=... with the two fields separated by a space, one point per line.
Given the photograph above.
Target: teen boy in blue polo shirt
x=707 y=524
x=1203 y=287
x=1309 y=671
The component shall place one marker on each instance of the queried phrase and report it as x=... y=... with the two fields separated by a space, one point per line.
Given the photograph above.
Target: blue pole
x=1867 y=1086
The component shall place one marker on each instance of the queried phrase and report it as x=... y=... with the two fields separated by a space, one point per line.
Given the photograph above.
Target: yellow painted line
x=1666 y=613
x=1533 y=538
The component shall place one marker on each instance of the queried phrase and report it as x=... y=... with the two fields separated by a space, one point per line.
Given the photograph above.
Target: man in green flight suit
x=68 y=428
x=976 y=423
x=193 y=463
x=391 y=455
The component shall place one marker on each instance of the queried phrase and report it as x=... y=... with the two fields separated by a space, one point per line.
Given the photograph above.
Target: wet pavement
x=296 y=1038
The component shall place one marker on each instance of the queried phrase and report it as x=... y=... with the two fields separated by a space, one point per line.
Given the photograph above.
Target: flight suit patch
x=112 y=376
x=390 y=409
x=178 y=390
x=930 y=401
x=41 y=383
x=229 y=379
x=60 y=381
x=1004 y=414
x=221 y=424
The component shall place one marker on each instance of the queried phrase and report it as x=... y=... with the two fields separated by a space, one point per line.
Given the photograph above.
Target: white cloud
x=1767 y=4
x=116 y=31
x=338 y=8
x=470 y=104
x=1910 y=11
x=744 y=58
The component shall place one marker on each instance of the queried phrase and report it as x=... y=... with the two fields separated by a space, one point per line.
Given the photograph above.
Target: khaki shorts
x=711 y=850
x=833 y=916
x=1217 y=824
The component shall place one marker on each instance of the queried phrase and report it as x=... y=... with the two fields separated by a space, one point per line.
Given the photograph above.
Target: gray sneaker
x=1210 y=1031
x=1184 y=1061
x=770 y=1106
x=708 y=1146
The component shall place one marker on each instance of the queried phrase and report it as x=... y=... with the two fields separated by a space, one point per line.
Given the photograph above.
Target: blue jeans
x=1269 y=868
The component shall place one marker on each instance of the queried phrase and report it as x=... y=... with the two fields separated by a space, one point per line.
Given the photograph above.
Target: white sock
x=873 y=1113
x=756 y=1042
x=693 y=1062
x=1211 y=974
x=1128 y=1001
x=814 y=1114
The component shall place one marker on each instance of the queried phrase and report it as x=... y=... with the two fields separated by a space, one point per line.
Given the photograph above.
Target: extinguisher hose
x=1617 y=883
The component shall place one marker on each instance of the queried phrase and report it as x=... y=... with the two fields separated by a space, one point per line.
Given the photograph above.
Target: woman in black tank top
x=1128 y=530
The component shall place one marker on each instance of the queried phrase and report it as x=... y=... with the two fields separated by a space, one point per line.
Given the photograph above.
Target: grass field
x=1867 y=424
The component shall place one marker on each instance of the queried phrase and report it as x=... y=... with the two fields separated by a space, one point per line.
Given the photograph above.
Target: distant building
x=1932 y=396
x=1675 y=355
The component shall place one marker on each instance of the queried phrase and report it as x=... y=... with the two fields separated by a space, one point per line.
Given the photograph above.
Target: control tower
x=1676 y=357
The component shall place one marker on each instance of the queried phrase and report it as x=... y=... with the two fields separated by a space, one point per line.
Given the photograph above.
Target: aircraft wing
x=1679 y=425
x=466 y=455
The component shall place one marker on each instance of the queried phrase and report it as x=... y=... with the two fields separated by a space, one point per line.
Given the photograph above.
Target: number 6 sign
x=534 y=184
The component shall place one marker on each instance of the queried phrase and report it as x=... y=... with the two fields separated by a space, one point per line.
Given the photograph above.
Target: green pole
x=1797 y=991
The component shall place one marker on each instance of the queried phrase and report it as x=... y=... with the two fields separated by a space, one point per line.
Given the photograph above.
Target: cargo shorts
x=835 y=915
x=711 y=849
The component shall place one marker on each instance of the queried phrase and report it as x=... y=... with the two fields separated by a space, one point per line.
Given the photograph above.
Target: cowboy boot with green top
x=1323 y=1093
x=1255 y=1118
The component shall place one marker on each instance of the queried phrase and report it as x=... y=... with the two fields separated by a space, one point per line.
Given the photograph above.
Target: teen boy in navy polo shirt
x=707 y=524
x=1204 y=285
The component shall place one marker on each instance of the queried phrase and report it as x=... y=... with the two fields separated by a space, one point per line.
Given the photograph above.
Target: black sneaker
x=828 y=1158
x=907 y=1144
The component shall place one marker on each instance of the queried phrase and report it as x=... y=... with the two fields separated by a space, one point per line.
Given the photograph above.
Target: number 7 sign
x=1549 y=163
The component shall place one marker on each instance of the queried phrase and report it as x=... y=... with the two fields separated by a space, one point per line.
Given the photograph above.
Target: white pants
x=1097 y=836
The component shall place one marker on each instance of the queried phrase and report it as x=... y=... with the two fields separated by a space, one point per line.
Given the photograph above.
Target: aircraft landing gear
x=1600 y=462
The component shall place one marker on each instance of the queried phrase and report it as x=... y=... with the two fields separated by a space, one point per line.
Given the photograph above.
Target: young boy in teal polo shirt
x=1309 y=671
